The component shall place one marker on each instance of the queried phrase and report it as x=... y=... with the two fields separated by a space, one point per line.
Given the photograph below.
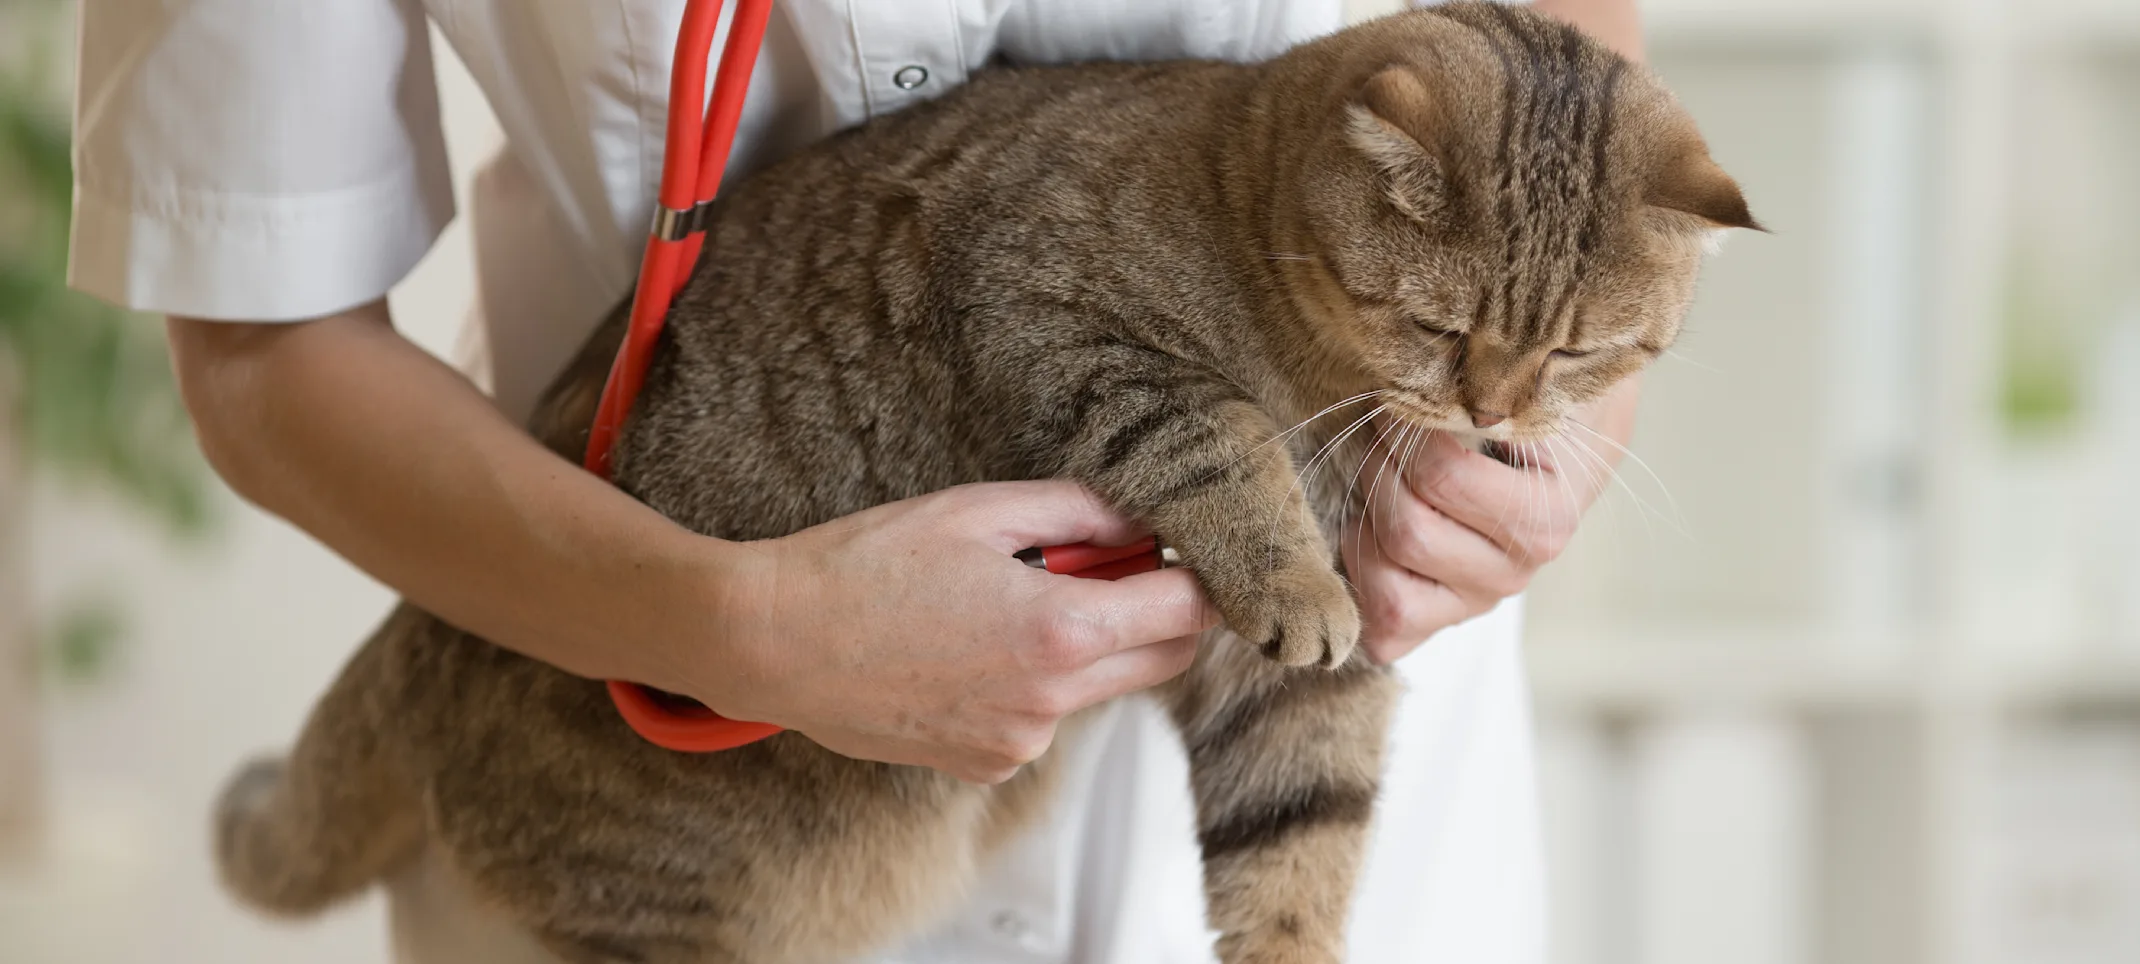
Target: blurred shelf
x=2097 y=20
x=1735 y=666
x=1799 y=669
x=2092 y=686
x=1670 y=21
x=1740 y=23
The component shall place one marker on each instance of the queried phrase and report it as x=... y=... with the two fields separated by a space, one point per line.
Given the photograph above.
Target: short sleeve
x=254 y=159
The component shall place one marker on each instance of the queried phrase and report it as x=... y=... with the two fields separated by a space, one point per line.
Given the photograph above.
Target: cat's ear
x=1693 y=183
x=1394 y=124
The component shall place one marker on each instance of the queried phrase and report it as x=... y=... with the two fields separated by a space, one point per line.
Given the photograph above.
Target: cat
x=1134 y=276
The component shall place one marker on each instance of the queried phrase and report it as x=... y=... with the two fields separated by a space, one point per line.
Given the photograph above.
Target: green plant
x=95 y=399
x=86 y=393
x=2040 y=381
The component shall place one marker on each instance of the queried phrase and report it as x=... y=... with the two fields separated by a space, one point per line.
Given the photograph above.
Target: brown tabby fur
x=1131 y=275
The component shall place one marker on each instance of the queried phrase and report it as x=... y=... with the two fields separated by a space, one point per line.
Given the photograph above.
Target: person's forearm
x=398 y=463
x=1617 y=24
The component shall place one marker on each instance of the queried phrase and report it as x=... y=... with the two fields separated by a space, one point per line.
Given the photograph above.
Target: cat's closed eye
x=1434 y=328
x=1570 y=354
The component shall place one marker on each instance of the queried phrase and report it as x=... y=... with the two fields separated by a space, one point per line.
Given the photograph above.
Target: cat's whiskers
x=1352 y=484
x=1303 y=423
x=1500 y=523
x=1400 y=426
x=1287 y=433
x=1307 y=471
x=1553 y=494
x=1370 y=524
x=1550 y=507
x=1679 y=357
x=1602 y=474
x=1404 y=464
x=1419 y=444
x=1369 y=454
x=1322 y=455
x=1603 y=478
x=1597 y=464
x=1570 y=498
x=1549 y=465
x=1598 y=477
x=1678 y=519
x=1565 y=459
x=1533 y=505
x=1563 y=462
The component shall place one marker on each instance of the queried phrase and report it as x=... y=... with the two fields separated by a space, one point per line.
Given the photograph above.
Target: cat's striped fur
x=1135 y=276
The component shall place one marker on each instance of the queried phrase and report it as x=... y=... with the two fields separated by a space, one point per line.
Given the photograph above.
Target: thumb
x=1048 y=512
x=1142 y=609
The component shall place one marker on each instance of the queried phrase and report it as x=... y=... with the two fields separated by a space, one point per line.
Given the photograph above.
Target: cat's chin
x=1461 y=429
x=1510 y=448
x=1503 y=437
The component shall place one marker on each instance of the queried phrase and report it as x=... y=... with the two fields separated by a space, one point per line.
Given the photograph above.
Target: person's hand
x=1455 y=532
x=908 y=633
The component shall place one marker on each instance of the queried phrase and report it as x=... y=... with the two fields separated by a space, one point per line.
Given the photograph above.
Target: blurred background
x=1847 y=672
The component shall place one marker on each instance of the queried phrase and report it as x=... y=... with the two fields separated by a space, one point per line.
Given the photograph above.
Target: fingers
x=1130 y=670
x=1407 y=532
x=989 y=653
x=1420 y=569
x=1048 y=512
x=1471 y=488
x=1095 y=618
x=1401 y=609
x=998 y=756
x=1411 y=609
x=983 y=768
x=1528 y=512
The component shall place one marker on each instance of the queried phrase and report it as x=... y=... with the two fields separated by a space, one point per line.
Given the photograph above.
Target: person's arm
x=856 y=633
x=1615 y=23
x=1464 y=531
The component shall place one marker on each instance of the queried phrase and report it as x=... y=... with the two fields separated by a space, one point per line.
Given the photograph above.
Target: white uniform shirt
x=271 y=160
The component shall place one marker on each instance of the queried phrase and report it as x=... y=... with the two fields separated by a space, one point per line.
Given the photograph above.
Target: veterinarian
x=263 y=171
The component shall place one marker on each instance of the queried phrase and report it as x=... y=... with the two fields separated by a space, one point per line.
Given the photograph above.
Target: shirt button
x=911 y=76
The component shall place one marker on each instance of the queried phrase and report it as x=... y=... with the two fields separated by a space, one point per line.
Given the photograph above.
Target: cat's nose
x=1481 y=419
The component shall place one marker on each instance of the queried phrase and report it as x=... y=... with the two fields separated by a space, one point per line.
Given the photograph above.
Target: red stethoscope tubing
x=692 y=162
x=695 y=156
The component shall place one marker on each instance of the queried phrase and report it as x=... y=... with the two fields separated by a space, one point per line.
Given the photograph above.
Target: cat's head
x=1508 y=219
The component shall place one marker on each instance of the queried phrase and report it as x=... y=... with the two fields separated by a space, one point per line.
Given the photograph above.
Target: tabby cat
x=1135 y=276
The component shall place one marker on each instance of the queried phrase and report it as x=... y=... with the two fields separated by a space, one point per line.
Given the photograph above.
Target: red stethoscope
x=696 y=154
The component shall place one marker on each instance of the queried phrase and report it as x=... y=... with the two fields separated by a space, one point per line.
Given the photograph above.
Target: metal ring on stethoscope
x=671 y=224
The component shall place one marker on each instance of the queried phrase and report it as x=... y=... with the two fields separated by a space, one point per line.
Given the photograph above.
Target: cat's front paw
x=1300 y=616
